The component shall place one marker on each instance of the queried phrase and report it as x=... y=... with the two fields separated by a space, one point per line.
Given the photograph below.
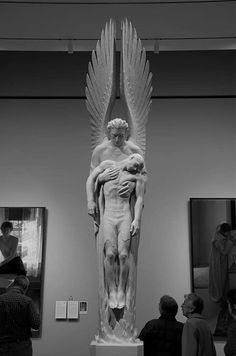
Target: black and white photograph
x=213 y=242
x=22 y=250
x=83 y=307
x=117 y=177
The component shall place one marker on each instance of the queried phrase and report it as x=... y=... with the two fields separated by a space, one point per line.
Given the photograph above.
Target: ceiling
x=68 y=25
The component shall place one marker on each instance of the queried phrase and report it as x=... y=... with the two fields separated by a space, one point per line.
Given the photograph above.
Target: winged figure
x=115 y=186
x=135 y=85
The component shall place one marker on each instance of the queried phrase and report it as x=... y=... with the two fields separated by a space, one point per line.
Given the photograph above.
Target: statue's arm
x=90 y=190
x=138 y=207
x=95 y=159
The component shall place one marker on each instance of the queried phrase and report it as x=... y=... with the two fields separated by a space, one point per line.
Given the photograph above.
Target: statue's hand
x=108 y=174
x=92 y=208
x=134 y=228
x=126 y=189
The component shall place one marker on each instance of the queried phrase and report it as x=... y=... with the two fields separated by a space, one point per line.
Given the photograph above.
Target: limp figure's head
x=135 y=163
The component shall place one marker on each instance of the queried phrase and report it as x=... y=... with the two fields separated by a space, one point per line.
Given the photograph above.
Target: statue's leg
x=123 y=253
x=110 y=249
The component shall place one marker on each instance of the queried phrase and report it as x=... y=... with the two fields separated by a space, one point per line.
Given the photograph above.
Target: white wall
x=44 y=157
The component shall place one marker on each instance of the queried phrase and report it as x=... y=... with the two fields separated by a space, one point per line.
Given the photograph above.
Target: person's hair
x=225 y=227
x=168 y=306
x=7 y=225
x=197 y=302
x=117 y=124
x=139 y=158
x=231 y=298
x=22 y=282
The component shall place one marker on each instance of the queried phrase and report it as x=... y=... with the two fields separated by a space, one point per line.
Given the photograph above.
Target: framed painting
x=83 y=307
x=22 y=241
x=213 y=257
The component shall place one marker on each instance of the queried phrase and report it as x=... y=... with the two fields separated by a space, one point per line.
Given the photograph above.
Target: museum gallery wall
x=45 y=163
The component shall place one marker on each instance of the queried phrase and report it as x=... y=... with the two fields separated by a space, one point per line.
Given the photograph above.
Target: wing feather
x=135 y=84
x=101 y=86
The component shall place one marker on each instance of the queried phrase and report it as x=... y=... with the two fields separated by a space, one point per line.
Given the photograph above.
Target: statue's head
x=135 y=163
x=117 y=131
x=6 y=228
x=117 y=123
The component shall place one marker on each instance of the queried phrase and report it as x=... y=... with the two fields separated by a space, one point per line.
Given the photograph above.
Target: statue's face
x=117 y=136
x=133 y=164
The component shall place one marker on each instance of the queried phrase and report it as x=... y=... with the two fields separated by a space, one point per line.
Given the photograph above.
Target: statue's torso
x=113 y=201
x=6 y=245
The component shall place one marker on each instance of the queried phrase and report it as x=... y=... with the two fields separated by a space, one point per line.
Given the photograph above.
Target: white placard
x=60 y=310
x=73 y=309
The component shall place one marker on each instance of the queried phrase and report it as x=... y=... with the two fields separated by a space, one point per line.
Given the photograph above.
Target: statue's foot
x=112 y=300
x=120 y=299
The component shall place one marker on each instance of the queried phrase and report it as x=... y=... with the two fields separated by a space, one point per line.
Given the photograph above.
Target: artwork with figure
x=21 y=249
x=116 y=183
x=213 y=242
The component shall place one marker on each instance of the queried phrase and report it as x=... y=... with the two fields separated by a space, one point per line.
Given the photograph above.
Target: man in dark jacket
x=162 y=337
x=17 y=316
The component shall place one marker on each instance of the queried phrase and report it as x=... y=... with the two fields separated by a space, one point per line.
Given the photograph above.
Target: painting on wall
x=213 y=257
x=22 y=241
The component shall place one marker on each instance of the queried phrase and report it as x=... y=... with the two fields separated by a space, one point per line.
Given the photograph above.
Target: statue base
x=124 y=349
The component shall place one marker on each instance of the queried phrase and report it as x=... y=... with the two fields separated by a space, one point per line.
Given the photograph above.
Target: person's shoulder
x=132 y=145
x=179 y=324
x=26 y=298
x=153 y=322
x=196 y=319
x=14 y=238
x=101 y=146
x=3 y=296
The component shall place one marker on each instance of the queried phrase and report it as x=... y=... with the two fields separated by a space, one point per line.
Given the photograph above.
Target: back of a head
x=197 y=302
x=225 y=227
x=22 y=282
x=168 y=306
x=7 y=225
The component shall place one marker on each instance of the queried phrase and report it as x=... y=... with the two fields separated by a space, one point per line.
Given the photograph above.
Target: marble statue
x=116 y=183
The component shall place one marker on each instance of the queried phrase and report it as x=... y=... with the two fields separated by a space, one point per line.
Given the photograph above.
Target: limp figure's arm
x=138 y=207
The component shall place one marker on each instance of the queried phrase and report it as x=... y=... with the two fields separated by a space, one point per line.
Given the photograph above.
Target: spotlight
x=156 y=47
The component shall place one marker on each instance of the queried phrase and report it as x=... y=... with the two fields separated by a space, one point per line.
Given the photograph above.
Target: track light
x=70 y=48
x=156 y=47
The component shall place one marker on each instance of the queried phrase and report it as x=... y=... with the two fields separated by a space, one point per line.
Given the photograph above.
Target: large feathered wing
x=101 y=86
x=135 y=84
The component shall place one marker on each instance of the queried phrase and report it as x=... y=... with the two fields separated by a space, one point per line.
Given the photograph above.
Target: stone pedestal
x=125 y=349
